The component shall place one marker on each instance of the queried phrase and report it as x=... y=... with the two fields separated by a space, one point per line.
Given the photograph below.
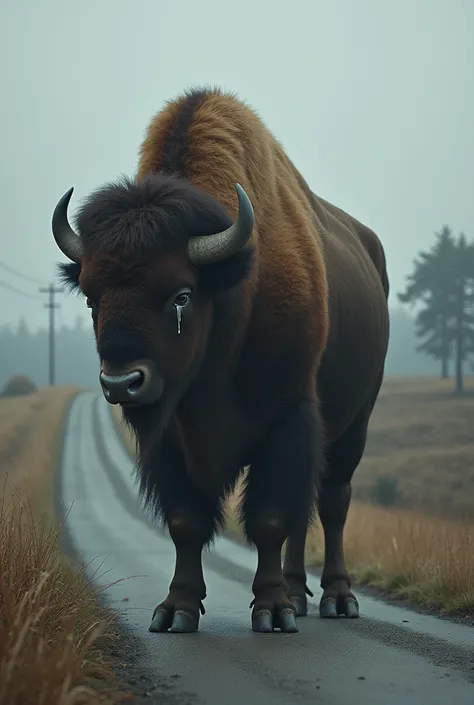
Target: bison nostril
x=139 y=385
x=121 y=387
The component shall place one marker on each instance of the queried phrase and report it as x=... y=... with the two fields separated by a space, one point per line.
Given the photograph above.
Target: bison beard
x=273 y=508
x=285 y=379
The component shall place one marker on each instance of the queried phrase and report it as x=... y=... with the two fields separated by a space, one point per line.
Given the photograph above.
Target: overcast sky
x=372 y=99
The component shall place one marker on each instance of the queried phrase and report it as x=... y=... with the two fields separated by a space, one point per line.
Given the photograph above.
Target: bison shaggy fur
x=277 y=365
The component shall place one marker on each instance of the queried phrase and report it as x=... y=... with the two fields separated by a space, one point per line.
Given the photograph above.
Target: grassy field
x=422 y=549
x=422 y=435
x=30 y=431
x=52 y=631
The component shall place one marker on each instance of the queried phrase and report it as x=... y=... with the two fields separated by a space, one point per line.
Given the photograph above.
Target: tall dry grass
x=411 y=556
x=407 y=555
x=54 y=636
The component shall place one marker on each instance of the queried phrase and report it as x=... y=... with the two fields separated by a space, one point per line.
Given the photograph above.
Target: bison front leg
x=191 y=519
x=294 y=569
x=279 y=497
x=180 y=611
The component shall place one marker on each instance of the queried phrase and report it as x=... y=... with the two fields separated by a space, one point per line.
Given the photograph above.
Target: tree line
x=441 y=289
x=25 y=352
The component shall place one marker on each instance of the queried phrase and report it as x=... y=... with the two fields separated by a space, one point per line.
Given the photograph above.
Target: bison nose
x=138 y=384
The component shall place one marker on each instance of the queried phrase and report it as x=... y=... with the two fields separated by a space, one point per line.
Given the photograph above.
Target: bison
x=242 y=324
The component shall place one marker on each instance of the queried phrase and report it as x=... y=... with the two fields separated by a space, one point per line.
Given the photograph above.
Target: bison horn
x=207 y=249
x=67 y=240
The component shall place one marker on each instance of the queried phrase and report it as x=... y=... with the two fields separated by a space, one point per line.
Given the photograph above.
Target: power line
x=6 y=285
x=14 y=271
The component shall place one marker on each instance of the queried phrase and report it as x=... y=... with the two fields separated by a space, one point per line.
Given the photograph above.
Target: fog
x=373 y=101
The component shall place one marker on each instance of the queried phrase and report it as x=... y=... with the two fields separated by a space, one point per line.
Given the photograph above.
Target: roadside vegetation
x=410 y=530
x=403 y=553
x=54 y=636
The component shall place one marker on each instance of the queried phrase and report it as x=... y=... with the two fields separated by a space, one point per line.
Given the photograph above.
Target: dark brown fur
x=285 y=351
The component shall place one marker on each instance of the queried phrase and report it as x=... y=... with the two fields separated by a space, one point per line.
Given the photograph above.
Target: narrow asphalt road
x=390 y=655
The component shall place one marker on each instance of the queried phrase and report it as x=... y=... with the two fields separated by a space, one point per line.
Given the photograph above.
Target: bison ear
x=220 y=277
x=69 y=273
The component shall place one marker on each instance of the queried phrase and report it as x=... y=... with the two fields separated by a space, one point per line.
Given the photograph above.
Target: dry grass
x=30 y=434
x=53 y=633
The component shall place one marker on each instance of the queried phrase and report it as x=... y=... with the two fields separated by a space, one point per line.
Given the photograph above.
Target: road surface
x=390 y=655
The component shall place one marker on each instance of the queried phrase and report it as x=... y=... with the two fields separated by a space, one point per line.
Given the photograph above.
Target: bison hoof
x=331 y=607
x=300 y=604
x=264 y=621
x=179 y=622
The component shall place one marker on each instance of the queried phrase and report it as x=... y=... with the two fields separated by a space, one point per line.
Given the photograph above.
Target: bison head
x=152 y=258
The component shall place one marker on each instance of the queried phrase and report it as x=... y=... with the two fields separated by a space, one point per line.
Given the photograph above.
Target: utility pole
x=52 y=306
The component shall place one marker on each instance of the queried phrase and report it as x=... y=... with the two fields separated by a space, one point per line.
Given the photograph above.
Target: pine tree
x=463 y=307
x=431 y=325
x=430 y=285
x=442 y=282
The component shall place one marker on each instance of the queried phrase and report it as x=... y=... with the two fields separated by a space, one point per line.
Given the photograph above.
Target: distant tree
x=442 y=281
x=430 y=284
x=463 y=307
x=24 y=352
x=403 y=358
x=22 y=333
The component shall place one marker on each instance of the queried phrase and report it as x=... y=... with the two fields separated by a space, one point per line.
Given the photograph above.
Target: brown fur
x=228 y=143
x=297 y=236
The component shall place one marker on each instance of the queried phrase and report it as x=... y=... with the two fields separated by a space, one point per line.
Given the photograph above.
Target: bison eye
x=90 y=303
x=182 y=299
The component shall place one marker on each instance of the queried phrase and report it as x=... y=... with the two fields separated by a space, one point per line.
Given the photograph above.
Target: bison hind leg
x=337 y=598
x=343 y=459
